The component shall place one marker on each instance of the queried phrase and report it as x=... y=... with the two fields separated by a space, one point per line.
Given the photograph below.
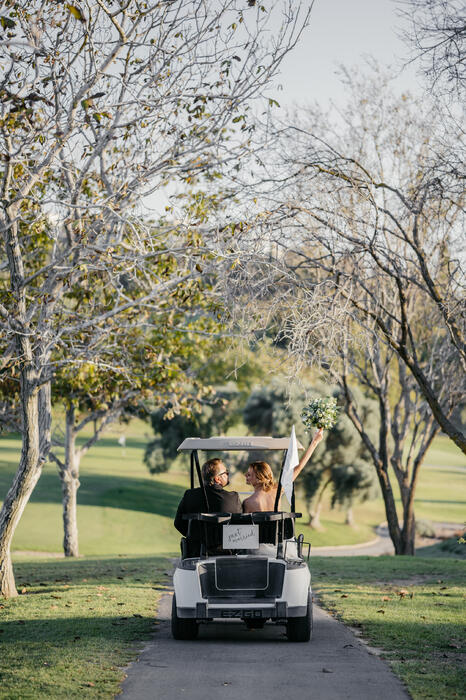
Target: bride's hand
x=318 y=436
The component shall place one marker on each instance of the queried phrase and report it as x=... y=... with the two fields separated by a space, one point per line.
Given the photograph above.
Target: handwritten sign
x=240 y=536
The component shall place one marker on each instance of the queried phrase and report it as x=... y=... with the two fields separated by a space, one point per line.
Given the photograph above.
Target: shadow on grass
x=123 y=570
x=131 y=494
x=113 y=492
x=69 y=631
x=451 y=548
x=139 y=443
x=383 y=569
x=27 y=622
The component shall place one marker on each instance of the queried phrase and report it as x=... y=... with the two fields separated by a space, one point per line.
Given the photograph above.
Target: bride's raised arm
x=307 y=455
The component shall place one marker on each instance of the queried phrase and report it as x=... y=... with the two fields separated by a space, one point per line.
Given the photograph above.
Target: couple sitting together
x=215 y=475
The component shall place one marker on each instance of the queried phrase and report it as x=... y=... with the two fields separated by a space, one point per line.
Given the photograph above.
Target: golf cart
x=247 y=566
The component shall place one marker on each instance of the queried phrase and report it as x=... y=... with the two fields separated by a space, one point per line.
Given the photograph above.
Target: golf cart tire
x=183 y=628
x=299 y=629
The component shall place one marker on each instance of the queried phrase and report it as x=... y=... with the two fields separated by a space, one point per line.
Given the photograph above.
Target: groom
x=215 y=476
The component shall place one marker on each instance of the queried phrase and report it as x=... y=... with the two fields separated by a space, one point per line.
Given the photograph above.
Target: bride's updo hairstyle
x=264 y=475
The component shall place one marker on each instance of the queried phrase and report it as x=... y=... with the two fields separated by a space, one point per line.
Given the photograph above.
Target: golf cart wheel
x=183 y=627
x=299 y=629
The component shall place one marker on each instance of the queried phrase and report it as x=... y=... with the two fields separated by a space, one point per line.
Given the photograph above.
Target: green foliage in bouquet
x=321 y=413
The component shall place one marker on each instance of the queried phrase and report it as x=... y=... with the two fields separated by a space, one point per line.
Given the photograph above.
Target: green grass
x=444 y=453
x=336 y=533
x=77 y=625
x=452 y=547
x=122 y=509
x=412 y=608
x=441 y=494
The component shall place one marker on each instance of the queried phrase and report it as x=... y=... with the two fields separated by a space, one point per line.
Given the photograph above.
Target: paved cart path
x=229 y=662
x=382 y=544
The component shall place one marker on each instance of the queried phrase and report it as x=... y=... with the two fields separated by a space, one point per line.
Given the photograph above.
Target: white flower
x=322 y=413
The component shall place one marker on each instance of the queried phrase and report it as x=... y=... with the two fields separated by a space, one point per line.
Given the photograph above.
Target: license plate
x=247 y=614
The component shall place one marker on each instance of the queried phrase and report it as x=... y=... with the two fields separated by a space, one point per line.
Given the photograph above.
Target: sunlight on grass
x=411 y=608
x=76 y=625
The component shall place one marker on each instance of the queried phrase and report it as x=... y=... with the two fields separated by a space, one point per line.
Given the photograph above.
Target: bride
x=259 y=475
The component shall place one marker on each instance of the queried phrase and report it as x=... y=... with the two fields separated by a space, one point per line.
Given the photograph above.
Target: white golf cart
x=241 y=565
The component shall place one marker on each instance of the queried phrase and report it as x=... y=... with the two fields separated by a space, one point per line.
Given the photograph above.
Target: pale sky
x=340 y=32
x=343 y=31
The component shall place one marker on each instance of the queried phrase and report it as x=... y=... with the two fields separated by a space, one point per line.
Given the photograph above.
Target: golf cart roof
x=221 y=444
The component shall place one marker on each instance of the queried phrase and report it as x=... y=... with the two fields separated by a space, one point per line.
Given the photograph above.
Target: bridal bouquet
x=322 y=413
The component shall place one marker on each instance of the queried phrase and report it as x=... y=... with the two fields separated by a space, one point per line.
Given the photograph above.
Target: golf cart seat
x=206 y=530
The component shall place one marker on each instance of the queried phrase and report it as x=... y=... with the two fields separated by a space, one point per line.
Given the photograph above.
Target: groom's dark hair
x=210 y=469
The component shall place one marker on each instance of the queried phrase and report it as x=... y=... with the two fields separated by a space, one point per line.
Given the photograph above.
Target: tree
x=406 y=426
x=343 y=465
x=376 y=217
x=211 y=417
x=226 y=371
x=100 y=107
x=139 y=365
x=353 y=482
x=363 y=248
x=273 y=409
x=437 y=36
x=341 y=461
x=153 y=366
x=355 y=355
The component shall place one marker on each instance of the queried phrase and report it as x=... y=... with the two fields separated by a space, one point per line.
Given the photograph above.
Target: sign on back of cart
x=240 y=536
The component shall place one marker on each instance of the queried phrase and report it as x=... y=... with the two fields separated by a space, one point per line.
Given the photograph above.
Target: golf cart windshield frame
x=195 y=464
x=248 y=443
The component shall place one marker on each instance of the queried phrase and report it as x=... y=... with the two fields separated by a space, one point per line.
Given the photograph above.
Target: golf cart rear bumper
x=275 y=611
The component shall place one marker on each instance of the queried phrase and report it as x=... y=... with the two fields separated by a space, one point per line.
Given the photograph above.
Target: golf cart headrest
x=272 y=526
x=241 y=518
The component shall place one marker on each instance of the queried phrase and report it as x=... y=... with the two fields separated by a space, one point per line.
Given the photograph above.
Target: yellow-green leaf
x=76 y=12
x=7 y=23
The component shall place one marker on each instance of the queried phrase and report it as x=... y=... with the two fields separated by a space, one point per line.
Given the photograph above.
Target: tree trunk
x=380 y=460
x=314 y=517
x=408 y=531
x=349 y=519
x=390 y=511
x=408 y=535
x=314 y=513
x=36 y=410
x=70 y=523
x=69 y=476
x=36 y=420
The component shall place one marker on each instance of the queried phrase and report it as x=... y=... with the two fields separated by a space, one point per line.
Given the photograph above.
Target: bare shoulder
x=250 y=504
x=260 y=501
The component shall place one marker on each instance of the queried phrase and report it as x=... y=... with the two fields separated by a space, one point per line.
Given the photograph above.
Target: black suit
x=219 y=500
